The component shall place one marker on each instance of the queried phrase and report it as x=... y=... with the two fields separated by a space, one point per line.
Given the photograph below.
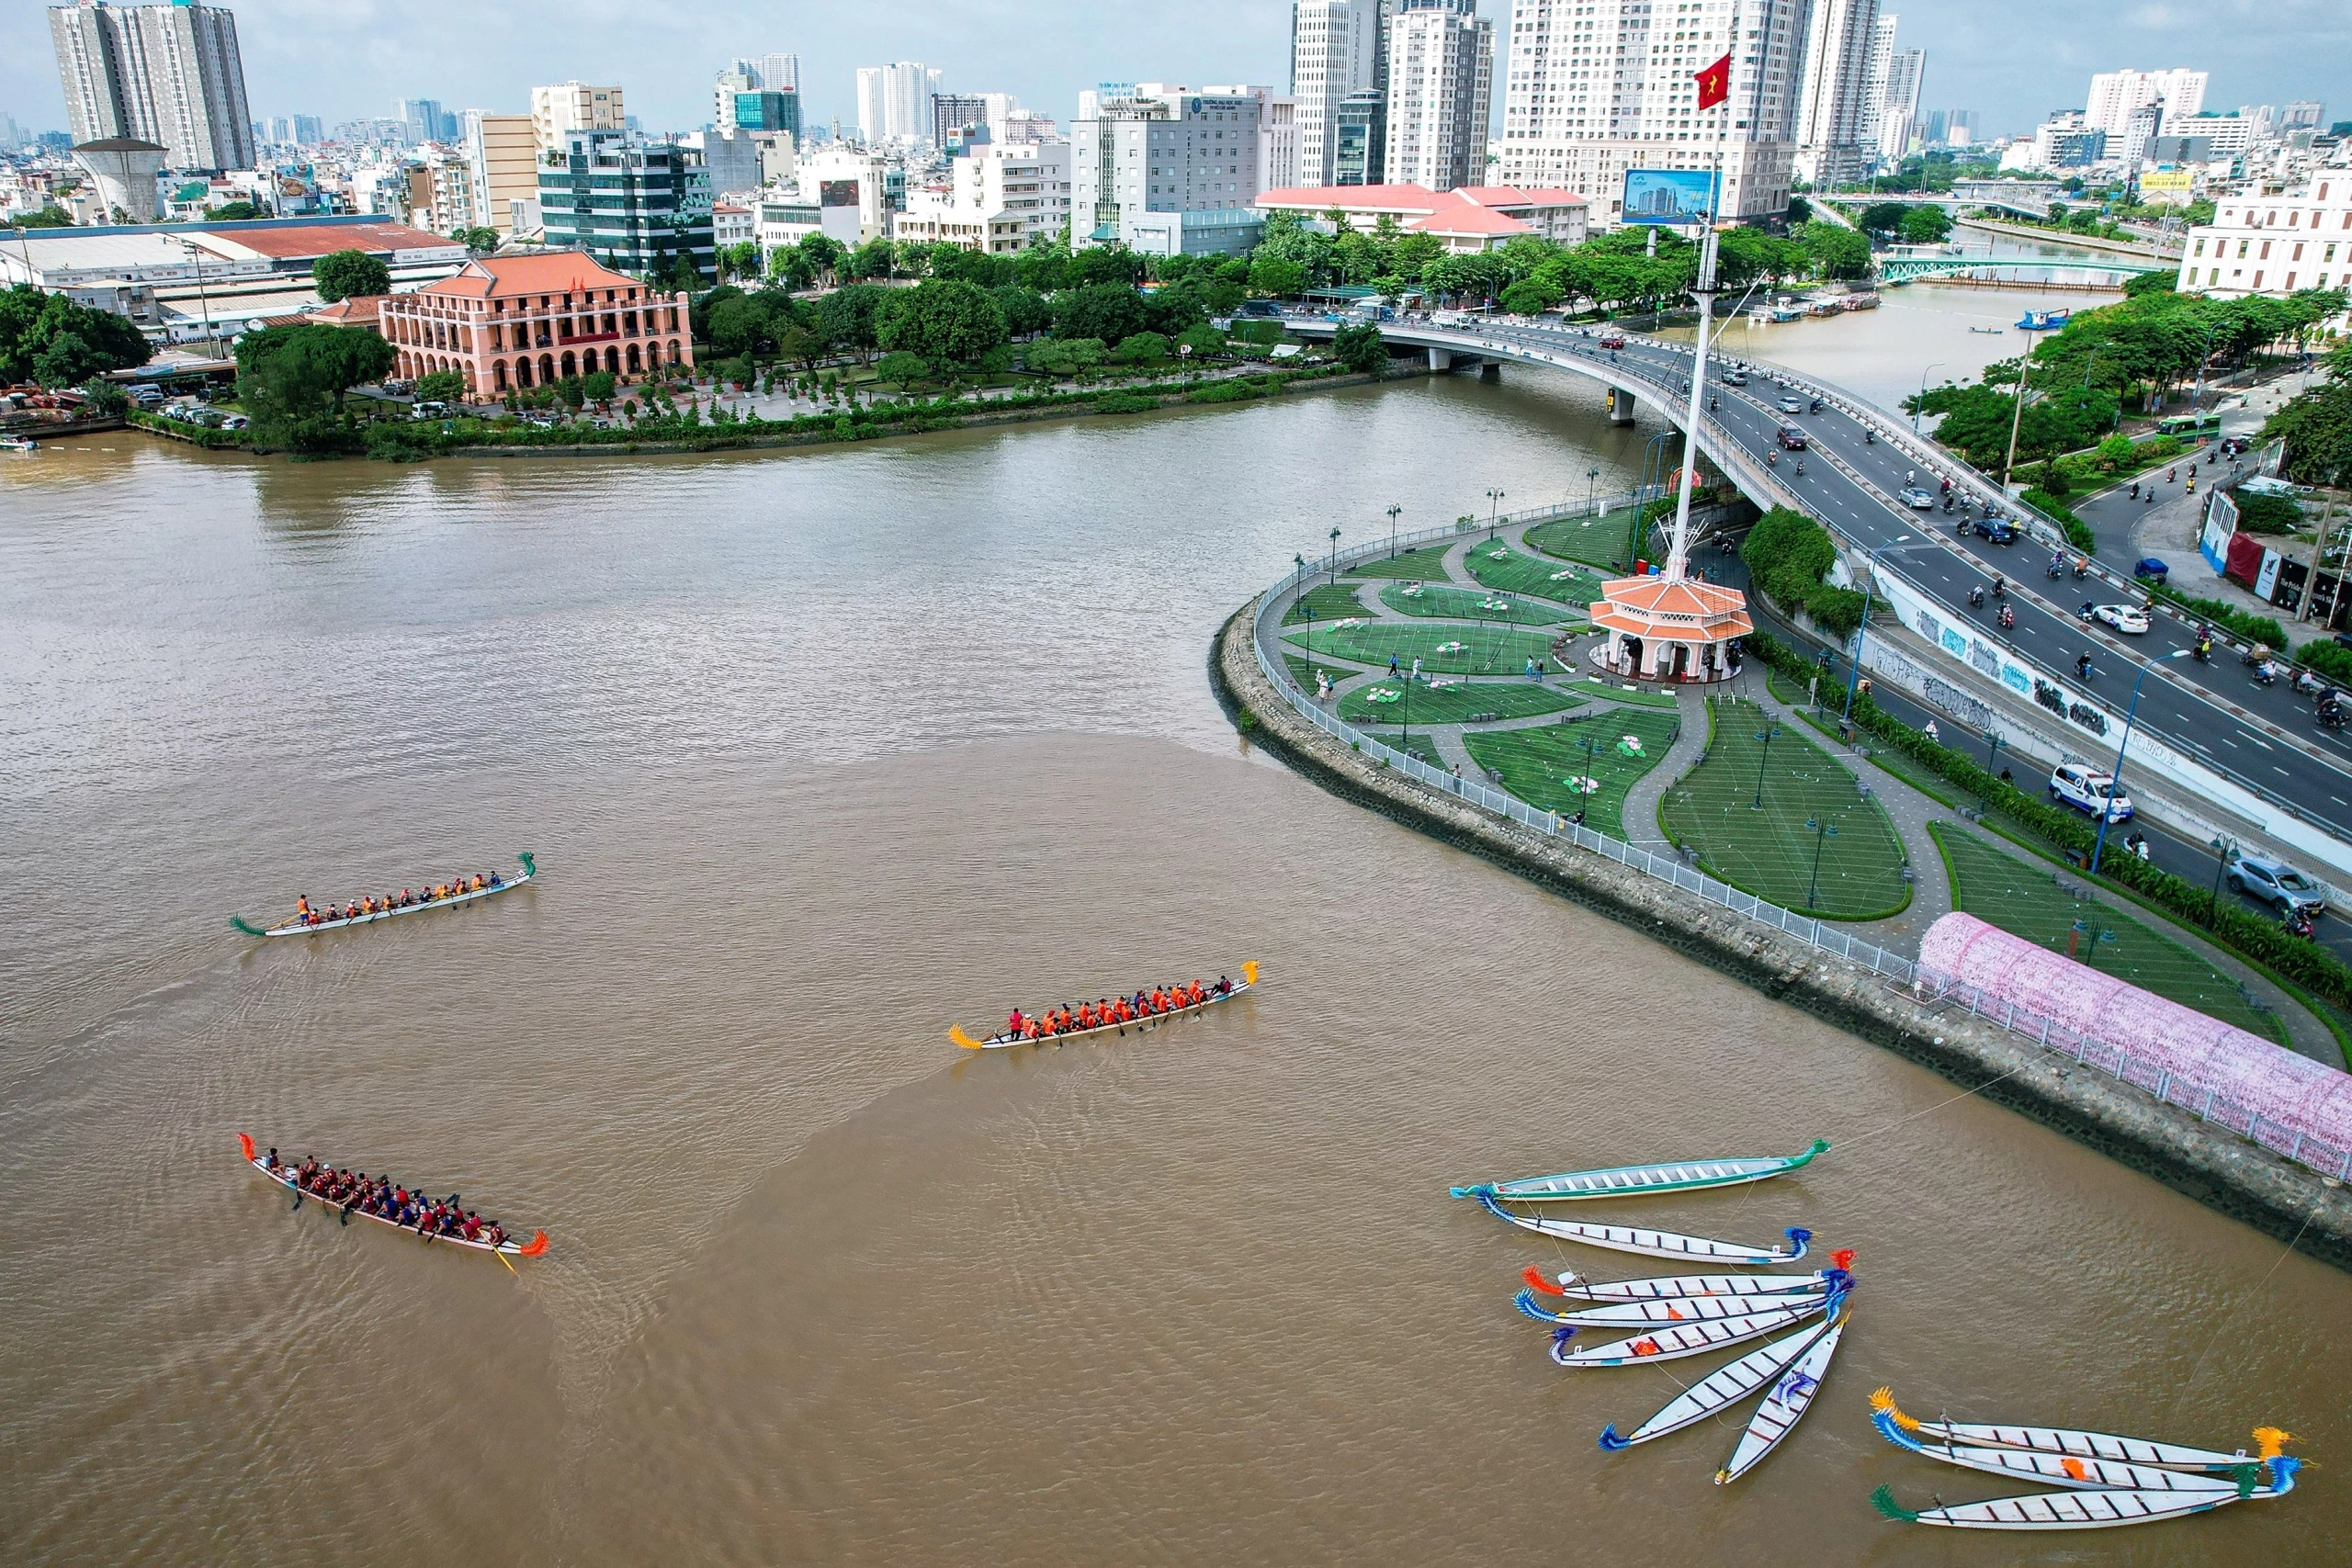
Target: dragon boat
x=2064 y=1440
x=1677 y=1287
x=2064 y=1470
x=308 y=928
x=1658 y=1244
x=1671 y=1342
x=1660 y=1309
x=284 y=1177
x=1726 y=1385
x=1627 y=1180
x=2103 y=1509
x=1792 y=1394
x=1002 y=1041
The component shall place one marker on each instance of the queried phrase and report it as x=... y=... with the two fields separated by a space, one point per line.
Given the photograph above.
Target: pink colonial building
x=512 y=322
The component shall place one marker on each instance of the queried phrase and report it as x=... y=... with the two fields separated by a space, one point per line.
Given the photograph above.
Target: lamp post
x=1393 y=511
x=1822 y=833
x=1992 y=755
x=2115 y=783
x=1937 y=365
x=2016 y=414
x=195 y=260
x=1335 y=556
x=1494 y=512
x=2197 y=395
x=1592 y=488
x=1854 y=676
x=2223 y=848
x=1765 y=735
x=1306 y=608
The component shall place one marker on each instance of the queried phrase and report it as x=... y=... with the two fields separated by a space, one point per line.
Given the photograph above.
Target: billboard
x=837 y=193
x=1667 y=195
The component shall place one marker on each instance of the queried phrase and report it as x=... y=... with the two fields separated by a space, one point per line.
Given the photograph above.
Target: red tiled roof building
x=509 y=324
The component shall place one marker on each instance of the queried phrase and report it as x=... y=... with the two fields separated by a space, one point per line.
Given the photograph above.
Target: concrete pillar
x=1491 y=370
x=1621 y=406
x=1441 y=359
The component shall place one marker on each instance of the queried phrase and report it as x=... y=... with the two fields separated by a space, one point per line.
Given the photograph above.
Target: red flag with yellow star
x=1714 y=83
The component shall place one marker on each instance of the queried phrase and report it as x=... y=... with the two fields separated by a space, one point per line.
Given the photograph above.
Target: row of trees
x=292 y=382
x=49 y=339
x=2317 y=427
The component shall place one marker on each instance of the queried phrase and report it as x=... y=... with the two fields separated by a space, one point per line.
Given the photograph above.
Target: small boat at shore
x=1658 y=1244
x=1865 y=301
x=284 y=1177
x=2088 y=1510
x=18 y=443
x=1003 y=1042
x=2064 y=1440
x=299 y=926
x=1627 y=1180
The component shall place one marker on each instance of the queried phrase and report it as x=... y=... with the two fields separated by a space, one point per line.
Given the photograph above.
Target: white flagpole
x=1678 y=556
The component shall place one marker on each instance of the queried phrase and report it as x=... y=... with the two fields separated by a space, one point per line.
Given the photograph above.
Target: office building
x=1879 y=64
x=1596 y=87
x=1337 y=50
x=503 y=153
x=1277 y=131
x=893 y=101
x=1898 y=114
x=2116 y=94
x=1360 y=140
x=1006 y=197
x=856 y=189
x=425 y=120
x=170 y=75
x=733 y=159
x=763 y=109
x=557 y=111
x=635 y=205
x=1440 y=64
x=2274 y=246
x=2303 y=114
x=509 y=324
x=1166 y=170
x=954 y=114
x=1833 y=99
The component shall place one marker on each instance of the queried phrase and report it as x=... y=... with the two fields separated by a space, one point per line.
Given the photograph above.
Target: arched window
x=571 y=365
x=613 y=360
x=547 y=367
x=501 y=375
x=636 y=363
x=523 y=371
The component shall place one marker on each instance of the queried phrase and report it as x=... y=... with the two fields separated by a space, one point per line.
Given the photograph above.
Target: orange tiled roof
x=552 y=272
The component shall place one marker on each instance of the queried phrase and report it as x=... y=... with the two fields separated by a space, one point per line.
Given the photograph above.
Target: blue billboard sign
x=1667 y=195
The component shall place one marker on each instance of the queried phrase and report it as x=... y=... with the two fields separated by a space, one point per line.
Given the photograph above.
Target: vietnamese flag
x=1714 y=83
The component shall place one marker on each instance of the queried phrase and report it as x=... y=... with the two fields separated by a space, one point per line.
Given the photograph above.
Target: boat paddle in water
x=299 y=927
x=284 y=1176
x=1625 y=1181
x=1677 y=1287
x=1792 y=1394
x=2067 y=1440
x=1005 y=1041
x=1658 y=1244
x=2100 y=1509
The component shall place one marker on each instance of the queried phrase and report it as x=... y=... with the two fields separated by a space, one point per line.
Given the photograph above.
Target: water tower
x=125 y=171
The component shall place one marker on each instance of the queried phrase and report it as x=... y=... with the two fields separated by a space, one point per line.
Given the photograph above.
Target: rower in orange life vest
x=303 y=910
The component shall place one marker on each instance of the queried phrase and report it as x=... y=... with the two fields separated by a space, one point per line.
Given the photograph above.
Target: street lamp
x=195 y=259
x=1335 y=556
x=2115 y=783
x=1765 y=735
x=1306 y=606
x=1822 y=833
x=1923 y=394
x=1592 y=488
x=2223 y=848
x=1854 y=676
x=2016 y=414
x=1494 y=512
x=1393 y=511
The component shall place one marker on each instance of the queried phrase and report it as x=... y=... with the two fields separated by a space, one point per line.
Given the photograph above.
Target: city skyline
x=1061 y=47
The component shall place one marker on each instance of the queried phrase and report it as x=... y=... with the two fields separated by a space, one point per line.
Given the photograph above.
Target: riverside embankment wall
x=2224 y=1172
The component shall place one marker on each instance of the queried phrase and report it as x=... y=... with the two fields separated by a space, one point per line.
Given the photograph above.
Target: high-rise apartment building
x=425 y=119
x=1440 y=61
x=1881 y=61
x=951 y=114
x=503 y=155
x=559 y=111
x=2115 y=94
x=639 y=206
x=1596 y=87
x=1833 y=99
x=1166 y=170
x=1898 y=112
x=2302 y=114
x=1337 y=50
x=170 y=75
x=893 y=101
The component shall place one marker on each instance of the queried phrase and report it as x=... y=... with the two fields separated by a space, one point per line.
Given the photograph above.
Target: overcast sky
x=2012 y=60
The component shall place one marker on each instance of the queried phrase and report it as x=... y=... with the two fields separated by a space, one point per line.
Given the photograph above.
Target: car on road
x=1735 y=377
x=1612 y=340
x=2277 y=884
x=2129 y=619
x=1920 y=498
x=2091 y=793
x=1996 y=529
x=1792 y=438
x=1791 y=403
x=2235 y=445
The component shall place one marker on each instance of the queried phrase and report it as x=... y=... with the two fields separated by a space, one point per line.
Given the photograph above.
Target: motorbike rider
x=1869 y=436
x=1976 y=597
x=2009 y=618
x=2000 y=587
x=2082 y=667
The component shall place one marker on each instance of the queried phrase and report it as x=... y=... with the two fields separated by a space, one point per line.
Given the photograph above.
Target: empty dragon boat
x=1626 y=1180
x=1658 y=1244
x=1676 y=1287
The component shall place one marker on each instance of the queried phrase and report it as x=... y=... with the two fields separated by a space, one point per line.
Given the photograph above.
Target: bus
x=2190 y=424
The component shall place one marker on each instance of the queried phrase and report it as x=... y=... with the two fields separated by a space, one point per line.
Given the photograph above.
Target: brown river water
x=822 y=752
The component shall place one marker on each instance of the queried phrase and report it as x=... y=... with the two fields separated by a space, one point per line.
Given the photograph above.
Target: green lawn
x=1328 y=601
x=1437 y=600
x=1510 y=571
x=1420 y=746
x=1613 y=691
x=1596 y=541
x=2026 y=901
x=1769 y=851
x=1484 y=650
x=1300 y=672
x=1537 y=762
x=1426 y=564
x=1457 y=704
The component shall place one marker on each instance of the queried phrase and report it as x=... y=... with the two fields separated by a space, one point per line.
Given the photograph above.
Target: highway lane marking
x=2264 y=744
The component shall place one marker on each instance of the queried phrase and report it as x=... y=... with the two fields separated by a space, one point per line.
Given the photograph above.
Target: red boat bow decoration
x=1535 y=1281
x=536 y=1244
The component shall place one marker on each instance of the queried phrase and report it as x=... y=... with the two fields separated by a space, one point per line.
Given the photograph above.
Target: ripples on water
x=821 y=754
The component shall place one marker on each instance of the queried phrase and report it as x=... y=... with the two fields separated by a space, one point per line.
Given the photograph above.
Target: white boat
x=1674 y=1341
x=2270 y=1440
x=1625 y=1181
x=2086 y=1510
x=1658 y=1244
x=1659 y=1310
x=1574 y=1287
x=2062 y=1470
x=284 y=1176
x=18 y=443
x=1792 y=1394
x=1725 y=1385
x=311 y=928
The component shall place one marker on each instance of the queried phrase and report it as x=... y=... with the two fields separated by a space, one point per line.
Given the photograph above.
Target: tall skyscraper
x=1596 y=87
x=1337 y=50
x=425 y=119
x=2115 y=94
x=1898 y=115
x=567 y=107
x=1875 y=72
x=170 y=75
x=893 y=101
x=1832 y=101
x=953 y=113
x=502 y=159
x=1440 y=59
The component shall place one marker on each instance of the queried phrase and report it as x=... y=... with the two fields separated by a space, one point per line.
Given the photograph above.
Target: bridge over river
x=2252 y=751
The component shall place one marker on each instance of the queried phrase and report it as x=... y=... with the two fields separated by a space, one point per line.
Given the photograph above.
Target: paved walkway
x=1640 y=810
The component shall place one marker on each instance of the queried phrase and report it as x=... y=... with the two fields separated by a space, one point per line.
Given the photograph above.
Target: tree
x=33 y=323
x=1530 y=297
x=1204 y=340
x=480 y=240
x=441 y=386
x=344 y=275
x=1883 y=216
x=599 y=386
x=823 y=254
x=2145 y=283
x=289 y=372
x=1026 y=313
x=739 y=324
x=1273 y=274
x=901 y=370
x=845 y=316
x=1359 y=349
x=105 y=400
x=1142 y=348
x=1064 y=356
x=1104 y=265
x=2317 y=428
x=947 y=321
x=875 y=258
x=50 y=217
x=1836 y=252
x=1111 y=311
x=234 y=212
x=1925 y=224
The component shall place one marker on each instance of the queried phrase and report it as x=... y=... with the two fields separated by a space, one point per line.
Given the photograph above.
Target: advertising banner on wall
x=1667 y=195
x=2220 y=522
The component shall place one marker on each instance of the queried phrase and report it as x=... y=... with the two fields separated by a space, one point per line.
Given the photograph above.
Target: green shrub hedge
x=2078 y=532
x=2229 y=617
x=1788 y=556
x=2265 y=941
